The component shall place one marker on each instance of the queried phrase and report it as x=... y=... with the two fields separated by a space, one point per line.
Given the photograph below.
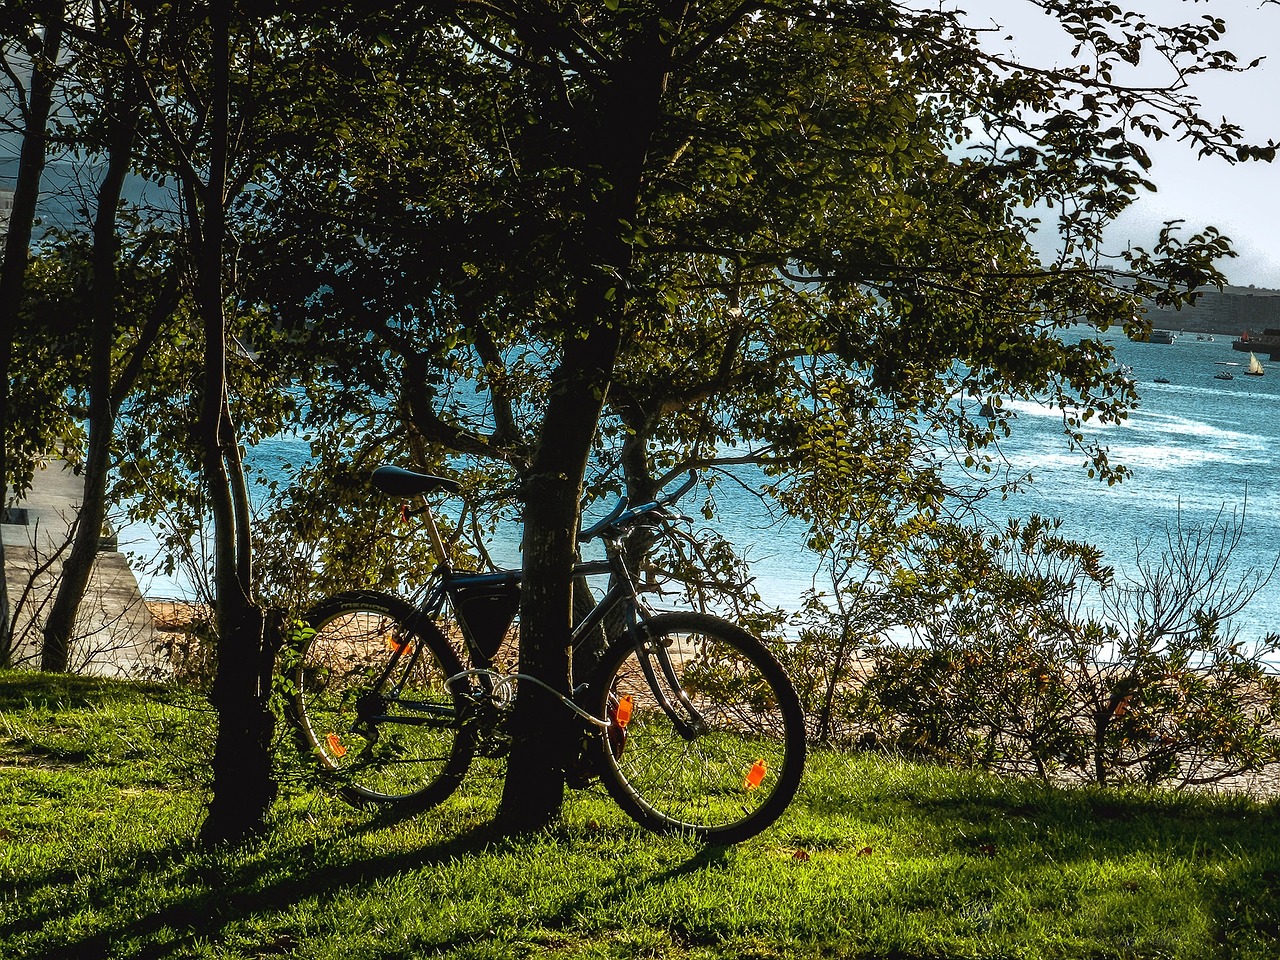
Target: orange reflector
x=623 y=712
x=335 y=745
x=399 y=646
x=755 y=776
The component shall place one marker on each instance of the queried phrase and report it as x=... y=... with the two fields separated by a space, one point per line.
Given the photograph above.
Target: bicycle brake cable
x=504 y=680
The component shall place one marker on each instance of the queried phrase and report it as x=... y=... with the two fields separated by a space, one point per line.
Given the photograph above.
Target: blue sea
x=1199 y=448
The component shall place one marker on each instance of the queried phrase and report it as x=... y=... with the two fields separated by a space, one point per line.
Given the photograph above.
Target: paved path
x=114 y=635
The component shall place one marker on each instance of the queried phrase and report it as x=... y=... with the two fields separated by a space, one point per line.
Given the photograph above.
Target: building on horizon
x=1229 y=310
x=6 y=207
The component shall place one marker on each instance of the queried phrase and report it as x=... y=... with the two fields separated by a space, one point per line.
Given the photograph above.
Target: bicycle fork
x=666 y=689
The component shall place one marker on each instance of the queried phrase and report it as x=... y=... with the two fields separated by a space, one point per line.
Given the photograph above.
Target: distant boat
x=1161 y=336
x=1161 y=380
x=1223 y=375
x=1267 y=342
x=1255 y=367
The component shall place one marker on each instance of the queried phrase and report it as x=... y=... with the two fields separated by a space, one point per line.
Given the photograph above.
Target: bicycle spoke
x=374 y=706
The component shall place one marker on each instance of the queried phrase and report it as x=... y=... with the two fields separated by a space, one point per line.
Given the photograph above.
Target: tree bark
x=615 y=143
x=548 y=744
x=13 y=270
x=103 y=406
x=243 y=785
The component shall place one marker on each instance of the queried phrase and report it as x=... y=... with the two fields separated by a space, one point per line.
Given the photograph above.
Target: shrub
x=1020 y=651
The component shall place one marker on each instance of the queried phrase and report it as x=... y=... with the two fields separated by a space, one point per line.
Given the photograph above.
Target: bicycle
x=691 y=723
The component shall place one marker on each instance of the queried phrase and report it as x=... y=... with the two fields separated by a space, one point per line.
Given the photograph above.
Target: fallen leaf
x=865 y=852
x=800 y=855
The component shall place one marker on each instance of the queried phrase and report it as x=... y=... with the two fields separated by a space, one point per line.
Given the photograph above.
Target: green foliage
x=829 y=256
x=830 y=268
x=828 y=260
x=1020 y=652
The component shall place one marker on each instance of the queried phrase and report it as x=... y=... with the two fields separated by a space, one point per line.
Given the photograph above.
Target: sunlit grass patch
x=102 y=793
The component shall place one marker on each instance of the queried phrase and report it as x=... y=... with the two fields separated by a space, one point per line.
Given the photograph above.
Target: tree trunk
x=1100 y=724
x=615 y=144
x=78 y=566
x=243 y=785
x=13 y=270
x=548 y=742
x=837 y=660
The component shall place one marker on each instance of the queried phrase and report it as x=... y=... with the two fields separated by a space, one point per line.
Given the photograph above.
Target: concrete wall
x=114 y=634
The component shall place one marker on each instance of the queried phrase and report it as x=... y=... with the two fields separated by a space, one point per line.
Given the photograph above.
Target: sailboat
x=1255 y=367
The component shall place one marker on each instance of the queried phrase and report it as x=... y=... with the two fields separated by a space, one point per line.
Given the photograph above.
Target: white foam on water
x=1165 y=458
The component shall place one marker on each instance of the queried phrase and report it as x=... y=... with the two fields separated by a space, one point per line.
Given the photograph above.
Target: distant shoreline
x=1226 y=312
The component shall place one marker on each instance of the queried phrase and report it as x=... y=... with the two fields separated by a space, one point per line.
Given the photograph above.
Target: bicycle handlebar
x=620 y=516
x=400 y=482
x=587 y=533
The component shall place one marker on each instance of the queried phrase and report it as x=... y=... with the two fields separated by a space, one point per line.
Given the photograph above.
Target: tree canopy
x=665 y=230
x=831 y=245
x=528 y=239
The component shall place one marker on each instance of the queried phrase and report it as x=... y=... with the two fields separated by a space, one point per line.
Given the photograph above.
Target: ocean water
x=1200 y=449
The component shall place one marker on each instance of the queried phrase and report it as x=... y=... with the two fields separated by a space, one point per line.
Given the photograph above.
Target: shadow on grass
x=624 y=886
x=24 y=690
x=226 y=888
x=222 y=890
x=173 y=899
x=224 y=894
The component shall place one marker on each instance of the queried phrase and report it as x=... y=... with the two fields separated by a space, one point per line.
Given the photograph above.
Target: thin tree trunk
x=243 y=786
x=103 y=407
x=13 y=270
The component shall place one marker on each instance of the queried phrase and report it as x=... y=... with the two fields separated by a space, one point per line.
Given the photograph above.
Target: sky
x=1242 y=200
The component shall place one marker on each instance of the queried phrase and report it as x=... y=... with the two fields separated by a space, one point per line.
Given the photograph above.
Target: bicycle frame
x=622 y=591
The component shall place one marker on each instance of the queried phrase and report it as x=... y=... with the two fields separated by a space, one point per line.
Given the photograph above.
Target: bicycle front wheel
x=371 y=702
x=718 y=752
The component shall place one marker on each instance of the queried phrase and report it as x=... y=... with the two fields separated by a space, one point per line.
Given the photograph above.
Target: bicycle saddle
x=400 y=482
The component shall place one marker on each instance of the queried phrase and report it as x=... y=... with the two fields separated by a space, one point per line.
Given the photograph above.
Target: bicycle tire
x=731 y=779
x=411 y=749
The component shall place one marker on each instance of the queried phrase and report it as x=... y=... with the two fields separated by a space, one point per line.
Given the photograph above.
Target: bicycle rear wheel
x=371 y=704
x=724 y=766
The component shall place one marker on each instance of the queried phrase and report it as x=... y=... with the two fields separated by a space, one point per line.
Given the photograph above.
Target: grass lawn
x=101 y=793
